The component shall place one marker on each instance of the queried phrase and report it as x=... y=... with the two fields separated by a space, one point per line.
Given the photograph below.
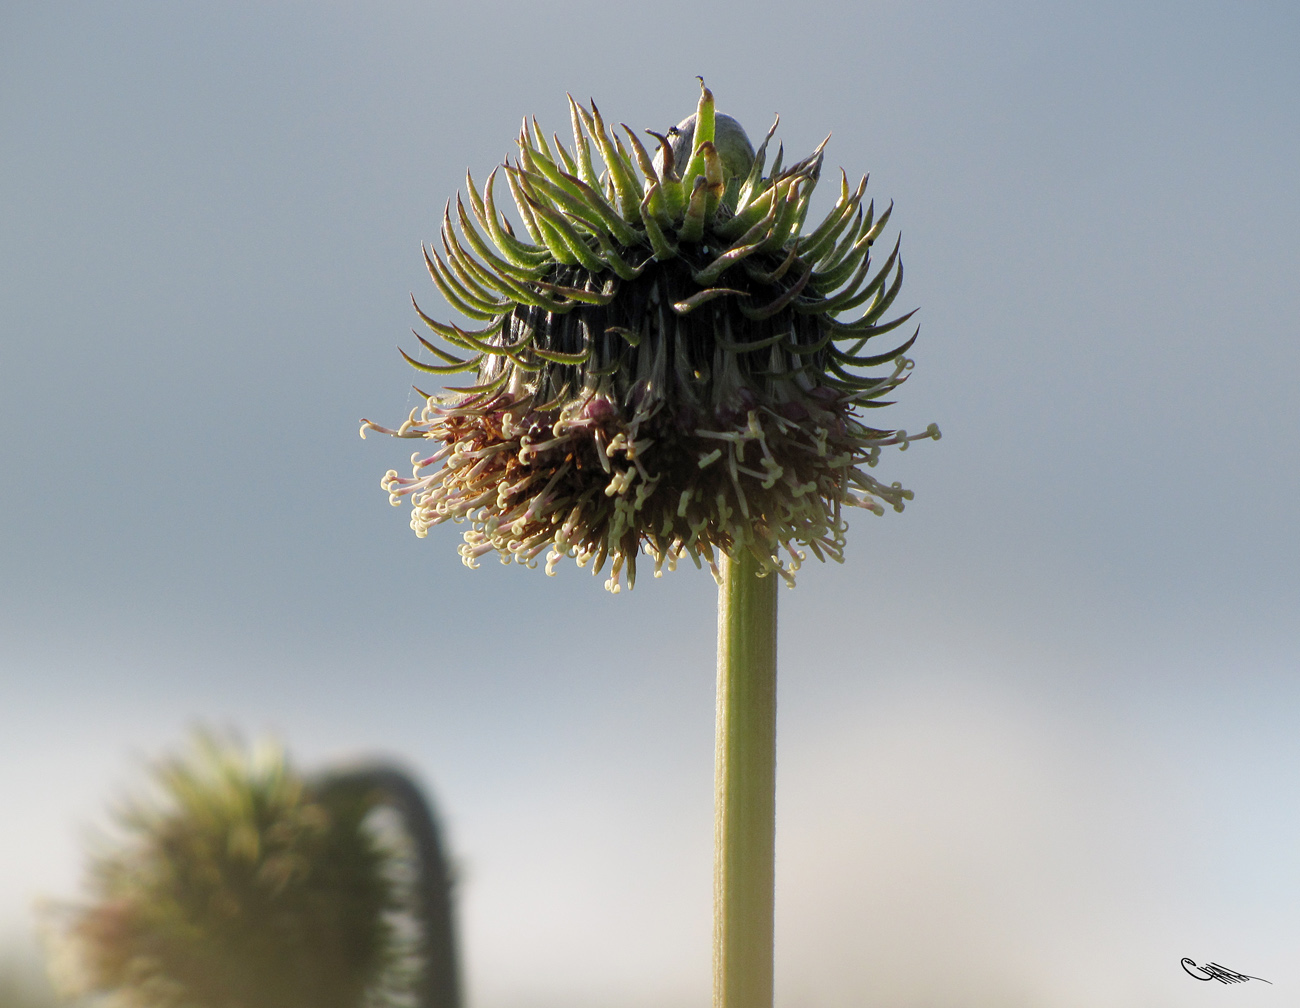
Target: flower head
x=661 y=366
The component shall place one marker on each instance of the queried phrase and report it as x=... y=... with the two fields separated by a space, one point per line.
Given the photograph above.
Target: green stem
x=744 y=786
x=436 y=984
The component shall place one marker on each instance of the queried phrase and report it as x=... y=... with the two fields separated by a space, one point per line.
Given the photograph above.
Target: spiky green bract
x=660 y=364
x=237 y=888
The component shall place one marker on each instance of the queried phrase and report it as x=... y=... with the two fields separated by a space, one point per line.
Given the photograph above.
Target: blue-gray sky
x=1037 y=734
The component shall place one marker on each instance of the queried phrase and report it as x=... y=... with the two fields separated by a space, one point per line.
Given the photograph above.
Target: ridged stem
x=745 y=786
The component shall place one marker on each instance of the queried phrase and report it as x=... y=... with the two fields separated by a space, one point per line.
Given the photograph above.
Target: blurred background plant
x=240 y=883
x=22 y=985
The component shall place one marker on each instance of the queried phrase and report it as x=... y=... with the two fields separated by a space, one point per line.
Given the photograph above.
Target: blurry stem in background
x=744 y=786
x=384 y=785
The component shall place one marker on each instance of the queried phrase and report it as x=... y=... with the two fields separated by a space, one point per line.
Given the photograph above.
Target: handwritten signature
x=1213 y=971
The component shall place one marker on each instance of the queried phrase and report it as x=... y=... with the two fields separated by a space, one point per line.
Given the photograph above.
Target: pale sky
x=1038 y=735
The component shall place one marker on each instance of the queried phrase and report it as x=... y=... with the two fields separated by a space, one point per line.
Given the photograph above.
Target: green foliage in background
x=236 y=886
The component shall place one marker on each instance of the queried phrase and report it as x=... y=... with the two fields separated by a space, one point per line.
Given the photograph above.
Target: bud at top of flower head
x=660 y=364
x=729 y=137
